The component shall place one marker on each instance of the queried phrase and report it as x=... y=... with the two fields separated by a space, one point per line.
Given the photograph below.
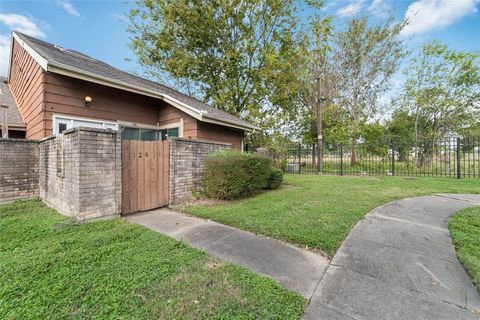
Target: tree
x=366 y=57
x=241 y=56
x=400 y=129
x=442 y=91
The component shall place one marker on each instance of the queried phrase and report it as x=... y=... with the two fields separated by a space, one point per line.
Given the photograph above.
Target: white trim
x=136 y=125
x=10 y=58
x=201 y=115
x=95 y=78
x=178 y=125
x=174 y=125
x=66 y=117
x=171 y=125
x=37 y=57
x=227 y=124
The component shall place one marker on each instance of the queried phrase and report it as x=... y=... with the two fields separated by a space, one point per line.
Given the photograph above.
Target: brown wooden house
x=56 y=89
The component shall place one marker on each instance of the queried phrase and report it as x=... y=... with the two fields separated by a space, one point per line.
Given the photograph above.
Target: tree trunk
x=353 y=158
x=314 y=165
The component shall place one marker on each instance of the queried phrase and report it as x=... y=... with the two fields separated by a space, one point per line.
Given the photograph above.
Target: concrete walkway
x=294 y=268
x=399 y=263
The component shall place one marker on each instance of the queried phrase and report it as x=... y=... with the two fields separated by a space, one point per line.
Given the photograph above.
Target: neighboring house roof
x=56 y=59
x=14 y=119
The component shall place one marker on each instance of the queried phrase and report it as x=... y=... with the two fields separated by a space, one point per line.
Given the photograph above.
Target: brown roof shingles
x=59 y=56
x=14 y=118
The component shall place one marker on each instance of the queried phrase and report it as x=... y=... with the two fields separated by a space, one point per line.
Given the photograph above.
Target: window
x=62 y=123
x=172 y=132
x=130 y=133
x=147 y=134
x=62 y=127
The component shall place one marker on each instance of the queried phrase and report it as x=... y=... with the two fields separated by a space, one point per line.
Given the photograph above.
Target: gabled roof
x=14 y=119
x=74 y=64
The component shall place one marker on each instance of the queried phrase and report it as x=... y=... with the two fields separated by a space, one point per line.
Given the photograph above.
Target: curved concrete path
x=296 y=269
x=399 y=263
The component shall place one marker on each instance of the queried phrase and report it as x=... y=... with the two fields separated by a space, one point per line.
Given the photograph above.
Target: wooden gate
x=145 y=175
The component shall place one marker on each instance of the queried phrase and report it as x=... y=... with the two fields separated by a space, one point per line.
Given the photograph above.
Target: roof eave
x=87 y=76
x=224 y=123
x=16 y=126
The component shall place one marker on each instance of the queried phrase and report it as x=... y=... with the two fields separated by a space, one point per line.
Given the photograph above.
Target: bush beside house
x=233 y=175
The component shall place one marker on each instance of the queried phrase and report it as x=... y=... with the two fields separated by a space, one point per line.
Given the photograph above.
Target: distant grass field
x=465 y=231
x=53 y=268
x=437 y=167
x=319 y=211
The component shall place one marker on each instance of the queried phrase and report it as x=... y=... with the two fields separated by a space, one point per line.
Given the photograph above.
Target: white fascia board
x=34 y=54
x=87 y=76
x=10 y=58
x=91 y=77
x=228 y=124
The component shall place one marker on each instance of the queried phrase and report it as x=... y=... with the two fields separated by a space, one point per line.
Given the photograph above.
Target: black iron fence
x=449 y=157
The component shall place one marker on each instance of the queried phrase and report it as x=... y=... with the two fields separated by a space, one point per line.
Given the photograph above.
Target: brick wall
x=80 y=172
x=18 y=169
x=186 y=166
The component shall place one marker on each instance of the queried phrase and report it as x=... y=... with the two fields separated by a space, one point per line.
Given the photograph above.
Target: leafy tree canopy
x=241 y=56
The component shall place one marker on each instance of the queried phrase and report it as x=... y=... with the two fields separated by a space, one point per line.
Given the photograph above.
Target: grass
x=465 y=231
x=53 y=268
x=319 y=211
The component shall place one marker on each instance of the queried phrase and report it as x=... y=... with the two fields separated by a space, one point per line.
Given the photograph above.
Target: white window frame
x=179 y=125
x=69 y=121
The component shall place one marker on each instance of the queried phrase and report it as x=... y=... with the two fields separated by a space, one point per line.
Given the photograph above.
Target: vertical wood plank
x=160 y=173
x=166 y=169
x=153 y=175
x=148 y=189
x=133 y=176
x=145 y=175
x=141 y=175
x=125 y=177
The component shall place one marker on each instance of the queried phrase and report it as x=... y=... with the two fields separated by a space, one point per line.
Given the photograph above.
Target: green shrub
x=276 y=178
x=232 y=174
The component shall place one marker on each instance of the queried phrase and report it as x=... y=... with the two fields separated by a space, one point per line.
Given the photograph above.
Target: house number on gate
x=140 y=154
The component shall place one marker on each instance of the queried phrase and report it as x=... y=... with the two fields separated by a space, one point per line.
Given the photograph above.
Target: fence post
x=299 y=158
x=459 y=173
x=393 y=159
x=341 y=160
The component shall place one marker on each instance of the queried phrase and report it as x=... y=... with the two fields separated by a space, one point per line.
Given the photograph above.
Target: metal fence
x=449 y=157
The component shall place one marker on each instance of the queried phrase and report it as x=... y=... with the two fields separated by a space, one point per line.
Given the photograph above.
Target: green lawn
x=319 y=211
x=53 y=268
x=465 y=231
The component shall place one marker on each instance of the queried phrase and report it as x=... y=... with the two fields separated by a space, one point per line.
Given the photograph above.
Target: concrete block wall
x=80 y=172
x=18 y=169
x=186 y=166
x=59 y=172
x=100 y=185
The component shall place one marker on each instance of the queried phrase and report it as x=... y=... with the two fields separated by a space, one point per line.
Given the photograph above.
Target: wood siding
x=65 y=95
x=27 y=83
x=41 y=94
x=214 y=132
x=170 y=114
